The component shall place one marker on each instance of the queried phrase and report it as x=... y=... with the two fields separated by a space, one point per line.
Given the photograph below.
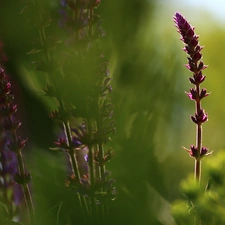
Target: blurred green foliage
x=151 y=112
x=204 y=203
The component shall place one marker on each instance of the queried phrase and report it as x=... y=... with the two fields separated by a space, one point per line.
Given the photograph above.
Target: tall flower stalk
x=78 y=64
x=13 y=142
x=195 y=66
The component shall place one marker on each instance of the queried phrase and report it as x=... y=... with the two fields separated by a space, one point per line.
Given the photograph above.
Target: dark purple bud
x=190 y=33
x=63 y=3
x=11 y=125
x=193 y=94
x=183 y=26
x=203 y=93
x=194 y=42
x=8 y=110
x=194 y=119
x=203 y=151
x=192 y=47
x=2 y=74
x=197 y=56
x=76 y=142
x=191 y=67
x=201 y=66
x=8 y=167
x=187 y=49
x=7 y=88
x=192 y=80
x=17 y=145
x=199 y=78
x=198 y=48
x=199 y=118
x=62 y=143
x=193 y=151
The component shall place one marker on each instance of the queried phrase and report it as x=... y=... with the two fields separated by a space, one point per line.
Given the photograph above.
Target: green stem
x=101 y=166
x=66 y=125
x=94 y=213
x=71 y=152
x=26 y=190
x=104 y=207
x=91 y=15
x=75 y=168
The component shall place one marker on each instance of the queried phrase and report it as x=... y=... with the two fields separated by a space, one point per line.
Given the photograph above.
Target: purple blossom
x=192 y=48
x=8 y=167
x=196 y=66
x=11 y=145
x=63 y=3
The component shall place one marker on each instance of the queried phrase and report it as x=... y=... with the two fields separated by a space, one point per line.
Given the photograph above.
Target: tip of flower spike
x=179 y=19
x=177 y=16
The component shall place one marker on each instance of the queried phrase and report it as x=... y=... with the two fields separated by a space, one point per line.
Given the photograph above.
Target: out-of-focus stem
x=25 y=186
x=72 y=155
x=74 y=168
x=91 y=15
x=94 y=214
x=26 y=190
x=66 y=124
x=104 y=207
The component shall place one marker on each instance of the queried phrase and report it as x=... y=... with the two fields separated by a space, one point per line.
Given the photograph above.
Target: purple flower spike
x=195 y=66
x=192 y=48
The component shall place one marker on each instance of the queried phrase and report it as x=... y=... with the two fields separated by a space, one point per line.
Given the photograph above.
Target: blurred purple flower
x=63 y=3
x=11 y=192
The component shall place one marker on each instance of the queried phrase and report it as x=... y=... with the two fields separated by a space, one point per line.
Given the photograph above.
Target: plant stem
x=26 y=190
x=197 y=173
x=75 y=169
x=25 y=186
x=94 y=214
x=104 y=208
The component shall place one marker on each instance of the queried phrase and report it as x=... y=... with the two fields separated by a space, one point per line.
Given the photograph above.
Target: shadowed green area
x=150 y=108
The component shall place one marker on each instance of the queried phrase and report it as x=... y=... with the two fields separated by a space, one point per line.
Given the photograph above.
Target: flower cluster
x=10 y=193
x=13 y=144
x=84 y=72
x=7 y=112
x=80 y=8
x=85 y=188
x=80 y=85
